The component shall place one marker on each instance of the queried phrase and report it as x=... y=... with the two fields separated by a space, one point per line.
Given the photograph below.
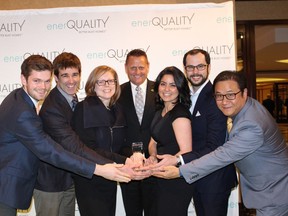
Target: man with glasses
x=211 y=194
x=54 y=192
x=255 y=145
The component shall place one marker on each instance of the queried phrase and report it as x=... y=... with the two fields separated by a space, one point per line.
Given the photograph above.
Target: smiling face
x=197 y=77
x=68 y=80
x=230 y=108
x=37 y=84
x=167 y=89
x=106 y=91
x=137 y=68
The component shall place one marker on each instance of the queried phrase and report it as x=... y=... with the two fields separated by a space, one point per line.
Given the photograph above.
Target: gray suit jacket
x=258 y=149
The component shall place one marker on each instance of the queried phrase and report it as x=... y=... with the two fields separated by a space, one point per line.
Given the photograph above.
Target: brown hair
x=95 y=75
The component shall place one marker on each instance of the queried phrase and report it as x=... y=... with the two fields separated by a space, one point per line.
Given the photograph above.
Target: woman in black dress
x=171 y=134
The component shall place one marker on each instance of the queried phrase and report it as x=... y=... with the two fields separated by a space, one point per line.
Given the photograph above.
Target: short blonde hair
x=95 y=75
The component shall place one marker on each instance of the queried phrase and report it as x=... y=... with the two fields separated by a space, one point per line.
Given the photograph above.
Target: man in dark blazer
x=23 y=143
x=211 y=194
x=138 y=195
x=54 y=193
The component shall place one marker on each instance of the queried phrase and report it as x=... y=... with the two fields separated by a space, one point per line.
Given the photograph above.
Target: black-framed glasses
x=103 y=82
x=199 y=67
x=229 y=96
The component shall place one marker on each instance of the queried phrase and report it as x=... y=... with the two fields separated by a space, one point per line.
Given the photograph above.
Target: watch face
x=178 y=161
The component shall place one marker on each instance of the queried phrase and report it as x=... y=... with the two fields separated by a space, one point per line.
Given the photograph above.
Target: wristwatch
x=178 y=161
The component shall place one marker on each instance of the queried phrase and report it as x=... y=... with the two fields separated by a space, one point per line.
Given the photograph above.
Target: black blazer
x=208 y=133
x=137 y=132
x=56 y=115
x=22 y=144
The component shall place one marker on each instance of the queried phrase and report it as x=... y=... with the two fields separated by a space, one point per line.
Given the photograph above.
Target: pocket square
x=198 y=114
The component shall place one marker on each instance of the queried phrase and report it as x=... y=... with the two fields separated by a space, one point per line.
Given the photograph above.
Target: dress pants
x=96 y=196
x=55 y=203
x=7 y=210
x=207 y=204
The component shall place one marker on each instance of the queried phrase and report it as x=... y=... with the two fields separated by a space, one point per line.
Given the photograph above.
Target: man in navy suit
x=54 y=193
x=138 y=195
x=23 y=143
x=211 y=194
x=255 y=144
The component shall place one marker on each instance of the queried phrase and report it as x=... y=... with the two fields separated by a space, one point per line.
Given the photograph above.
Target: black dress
x=173 y=196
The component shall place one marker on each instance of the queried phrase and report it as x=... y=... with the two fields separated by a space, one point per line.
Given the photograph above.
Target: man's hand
x=112 y=172
x=138 y=159
x=135 y=175
x=165 y=160
x=168 y=172
x=152 y=160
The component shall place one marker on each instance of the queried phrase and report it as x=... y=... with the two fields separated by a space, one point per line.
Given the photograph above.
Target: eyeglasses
x=229 y=96
x=103 y=82
x=199 y=67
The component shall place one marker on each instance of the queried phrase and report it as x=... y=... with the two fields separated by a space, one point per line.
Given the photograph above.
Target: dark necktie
x=74 y=101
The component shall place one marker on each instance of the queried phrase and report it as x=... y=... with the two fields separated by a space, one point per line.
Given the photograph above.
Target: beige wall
x=245 y=10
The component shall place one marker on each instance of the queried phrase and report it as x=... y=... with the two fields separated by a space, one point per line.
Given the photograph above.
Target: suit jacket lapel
x=149 y=102
x=130 y=103
x=202 y=98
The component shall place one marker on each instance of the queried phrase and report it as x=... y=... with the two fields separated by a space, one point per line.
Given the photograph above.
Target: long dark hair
x=180 y=82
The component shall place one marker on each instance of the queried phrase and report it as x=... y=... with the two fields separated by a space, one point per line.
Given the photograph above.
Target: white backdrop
x=105 y=34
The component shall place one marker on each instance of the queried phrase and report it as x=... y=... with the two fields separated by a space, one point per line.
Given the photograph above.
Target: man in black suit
x=211 y=193
x=23 y=143
x=54 y=192
x=138 y=195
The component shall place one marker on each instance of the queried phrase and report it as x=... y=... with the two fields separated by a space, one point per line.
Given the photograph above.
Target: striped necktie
x=139 y=103
x=74 y=101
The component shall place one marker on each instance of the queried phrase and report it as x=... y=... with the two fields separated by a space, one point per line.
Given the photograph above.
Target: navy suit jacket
x=56 y=115
x=137 y=132
x=23 y=143
x=209 y=132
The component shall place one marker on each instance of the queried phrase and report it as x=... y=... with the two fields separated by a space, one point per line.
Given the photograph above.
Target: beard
x=200 y=82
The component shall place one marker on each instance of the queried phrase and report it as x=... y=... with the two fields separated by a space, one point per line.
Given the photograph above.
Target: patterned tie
x=74 y=101
x=139 y=103
x=229 y=124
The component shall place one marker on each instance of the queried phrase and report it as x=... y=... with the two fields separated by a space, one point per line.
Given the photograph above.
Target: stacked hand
x=165 y=168
x=112 y=172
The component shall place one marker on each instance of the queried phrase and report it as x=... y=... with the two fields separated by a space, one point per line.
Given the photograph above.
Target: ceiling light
x=283 y=61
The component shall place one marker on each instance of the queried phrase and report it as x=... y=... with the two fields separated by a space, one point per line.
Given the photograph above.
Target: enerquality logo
x=216 y=51
x=97 y=25
x=120 y=54
x=167 y=23
x=11 y=29
x=20 y=58
x=47 y=54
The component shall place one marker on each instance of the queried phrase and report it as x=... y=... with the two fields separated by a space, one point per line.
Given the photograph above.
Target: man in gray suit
x=255 y=145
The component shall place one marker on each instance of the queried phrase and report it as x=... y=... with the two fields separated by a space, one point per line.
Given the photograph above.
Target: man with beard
x=211 y=194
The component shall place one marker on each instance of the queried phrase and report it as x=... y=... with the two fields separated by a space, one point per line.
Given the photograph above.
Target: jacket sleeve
x=56 y=124
x=30 y=133
x=214 y=131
